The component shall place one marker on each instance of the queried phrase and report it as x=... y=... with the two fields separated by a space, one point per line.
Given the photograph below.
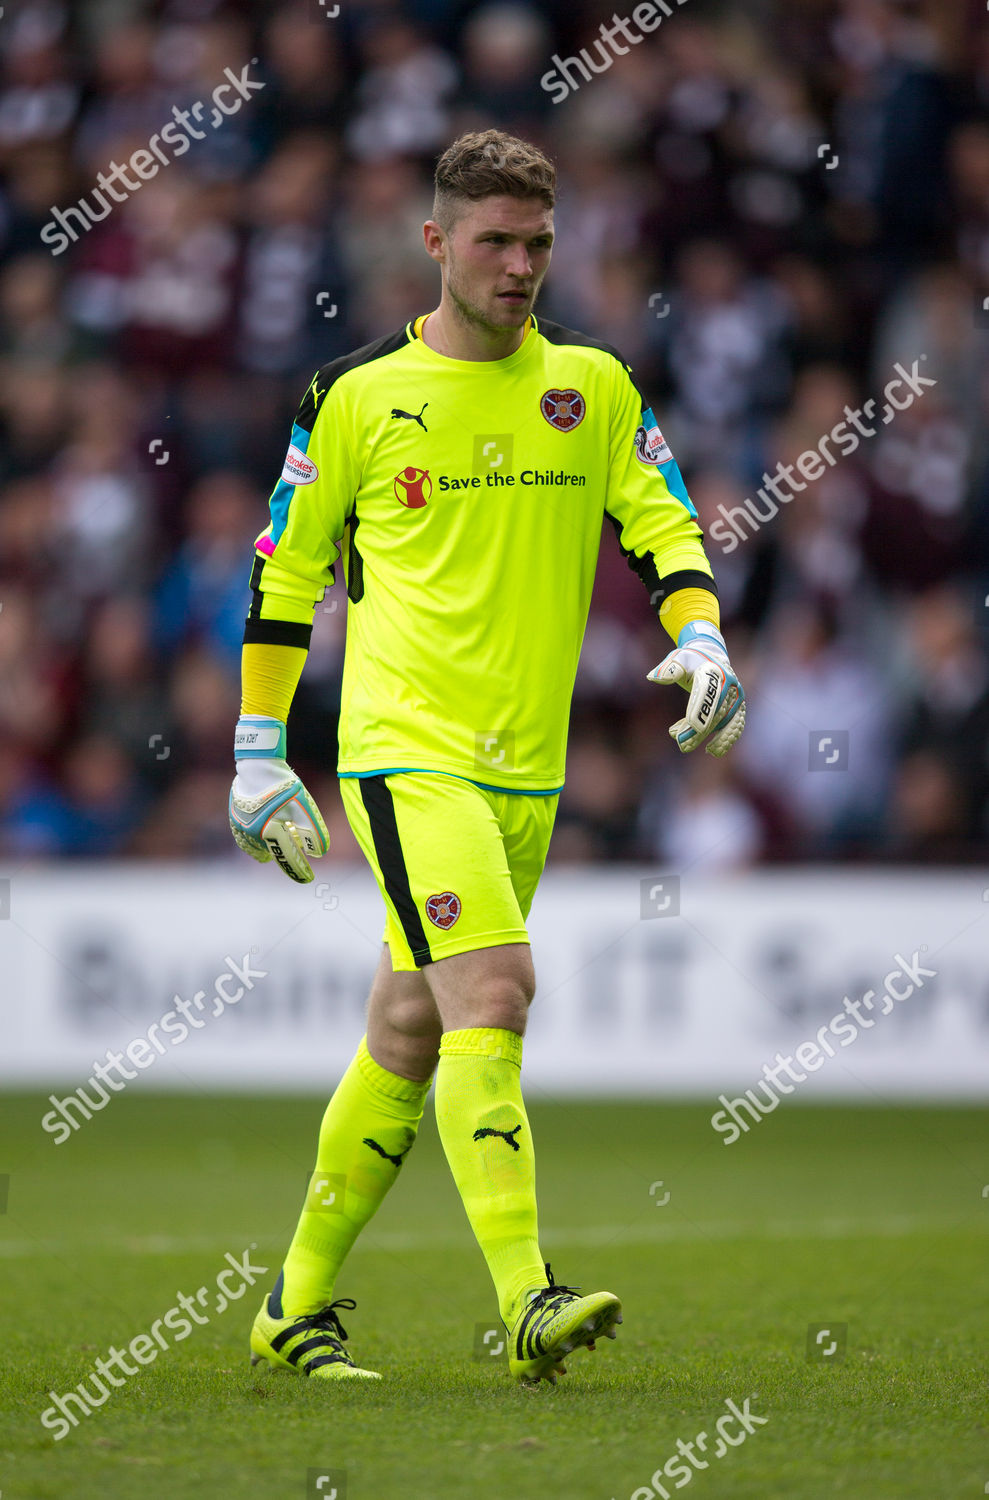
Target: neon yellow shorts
x=456 y=864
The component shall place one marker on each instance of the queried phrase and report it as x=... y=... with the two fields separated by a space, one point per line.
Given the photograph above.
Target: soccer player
x=464 y=464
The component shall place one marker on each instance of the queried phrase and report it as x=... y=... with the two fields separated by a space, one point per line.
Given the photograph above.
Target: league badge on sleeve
x=299 y=467
x=650 y=445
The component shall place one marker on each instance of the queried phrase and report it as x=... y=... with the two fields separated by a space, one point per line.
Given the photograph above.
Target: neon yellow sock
x=369 y=1125
x=488 y=1144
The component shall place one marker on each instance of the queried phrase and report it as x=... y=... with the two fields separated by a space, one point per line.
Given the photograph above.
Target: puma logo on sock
x=506 y=1135
x=396 y=1161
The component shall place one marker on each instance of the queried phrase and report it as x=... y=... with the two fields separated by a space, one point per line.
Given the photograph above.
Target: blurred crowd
x=766 y=207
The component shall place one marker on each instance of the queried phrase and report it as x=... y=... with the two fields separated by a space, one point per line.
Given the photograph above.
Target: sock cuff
x=392 y=1085
x=483 y=1041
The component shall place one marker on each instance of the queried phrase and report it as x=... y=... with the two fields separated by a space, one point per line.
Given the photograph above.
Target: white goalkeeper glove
x=271 y=813
x=716 y=705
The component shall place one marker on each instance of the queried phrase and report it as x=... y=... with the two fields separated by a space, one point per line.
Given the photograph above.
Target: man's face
x=495 y=258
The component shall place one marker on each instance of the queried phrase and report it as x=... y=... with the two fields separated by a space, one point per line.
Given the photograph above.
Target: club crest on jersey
x=298 y=467
x=563 y=410
x=412 y=487
x=650 y=446
x=443 y=910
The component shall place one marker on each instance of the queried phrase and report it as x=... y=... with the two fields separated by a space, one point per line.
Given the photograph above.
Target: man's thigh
x=437 y=846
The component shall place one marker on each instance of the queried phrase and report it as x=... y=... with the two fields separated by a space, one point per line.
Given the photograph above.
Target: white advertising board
x=646 y=985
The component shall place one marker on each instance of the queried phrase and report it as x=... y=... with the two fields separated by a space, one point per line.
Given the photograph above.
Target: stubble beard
x=469 y=314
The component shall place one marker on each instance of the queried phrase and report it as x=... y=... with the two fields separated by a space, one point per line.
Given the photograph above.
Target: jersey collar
x=414 y=331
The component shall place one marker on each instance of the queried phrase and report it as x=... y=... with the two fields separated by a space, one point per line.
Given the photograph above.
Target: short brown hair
x=486 y=164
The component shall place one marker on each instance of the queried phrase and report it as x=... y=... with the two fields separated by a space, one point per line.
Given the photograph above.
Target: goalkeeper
x=458 y=470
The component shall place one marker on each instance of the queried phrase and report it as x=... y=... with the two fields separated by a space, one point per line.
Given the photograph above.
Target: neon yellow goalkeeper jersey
x=465 y=500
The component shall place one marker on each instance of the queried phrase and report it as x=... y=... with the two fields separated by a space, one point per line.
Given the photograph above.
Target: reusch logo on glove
x=709 y=699
x=277 y=850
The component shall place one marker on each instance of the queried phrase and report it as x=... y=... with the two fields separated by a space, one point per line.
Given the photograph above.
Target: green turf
x=870 y=1217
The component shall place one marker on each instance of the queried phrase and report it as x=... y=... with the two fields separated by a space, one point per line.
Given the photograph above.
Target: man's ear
x=434 y=240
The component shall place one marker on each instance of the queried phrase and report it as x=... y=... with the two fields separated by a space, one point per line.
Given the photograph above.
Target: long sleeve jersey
x=465 y=501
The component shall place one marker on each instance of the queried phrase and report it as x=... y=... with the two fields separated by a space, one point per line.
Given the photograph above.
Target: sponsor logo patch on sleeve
x=650 y=446
x=298 y=467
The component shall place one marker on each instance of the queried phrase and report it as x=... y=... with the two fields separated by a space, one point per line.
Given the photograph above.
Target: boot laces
x=554 y=1295
x=328 y=1320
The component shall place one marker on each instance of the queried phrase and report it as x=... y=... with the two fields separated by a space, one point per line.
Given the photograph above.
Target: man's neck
x=450 y=336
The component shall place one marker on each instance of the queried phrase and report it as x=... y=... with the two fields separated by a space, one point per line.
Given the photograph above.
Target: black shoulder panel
x=555 y=333
x=327 y=374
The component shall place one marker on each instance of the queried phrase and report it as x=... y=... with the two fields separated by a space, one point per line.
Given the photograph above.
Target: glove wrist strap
x=259 y=738
x=703 y=633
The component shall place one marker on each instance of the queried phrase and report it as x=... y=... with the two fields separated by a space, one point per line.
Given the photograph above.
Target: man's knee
x=402 y=999
x=485 y=987
x=509 y=986
x=404 y=1026
x=502 y=1001
x=412 y=1014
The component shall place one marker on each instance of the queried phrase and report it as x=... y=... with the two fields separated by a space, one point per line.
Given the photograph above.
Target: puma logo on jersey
x=506 y=1135
x=411 y=416
x=396 y=1161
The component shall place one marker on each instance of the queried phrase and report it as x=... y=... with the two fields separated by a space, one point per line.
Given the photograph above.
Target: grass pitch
x=724 y=1257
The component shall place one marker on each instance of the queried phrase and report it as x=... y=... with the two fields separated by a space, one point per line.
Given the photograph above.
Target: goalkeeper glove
x=271 y=813
x=716 y=705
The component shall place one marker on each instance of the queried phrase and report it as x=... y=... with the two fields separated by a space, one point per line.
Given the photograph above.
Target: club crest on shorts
x=443 y=910
x=563 y=410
